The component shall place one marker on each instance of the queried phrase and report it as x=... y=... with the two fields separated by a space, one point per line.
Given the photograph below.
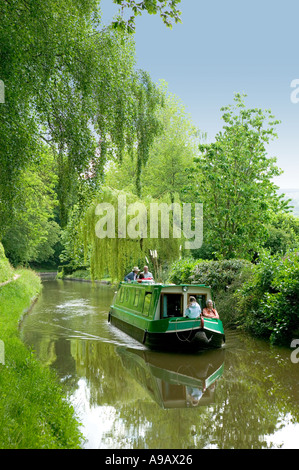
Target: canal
x=127 y=397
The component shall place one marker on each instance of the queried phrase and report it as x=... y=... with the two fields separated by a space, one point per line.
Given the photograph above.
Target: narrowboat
x=154 y=314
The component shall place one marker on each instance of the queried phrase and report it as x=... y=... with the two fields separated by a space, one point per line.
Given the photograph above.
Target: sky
x=221 y=48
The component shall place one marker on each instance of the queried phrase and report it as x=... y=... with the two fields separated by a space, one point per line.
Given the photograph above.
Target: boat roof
x=150 y=283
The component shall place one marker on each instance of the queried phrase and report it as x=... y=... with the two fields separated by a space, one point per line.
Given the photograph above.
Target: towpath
x=16 y=276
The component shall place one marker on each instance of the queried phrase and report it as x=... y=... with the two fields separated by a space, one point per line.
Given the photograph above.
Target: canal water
x=127 y=397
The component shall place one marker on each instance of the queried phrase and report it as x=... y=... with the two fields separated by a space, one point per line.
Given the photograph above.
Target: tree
x=166 y=8
x=235 y=175
x=74 y=86
x=32 y=231
x=173 y=152
x=122 y=236
x=282 y=233
x=170 y=156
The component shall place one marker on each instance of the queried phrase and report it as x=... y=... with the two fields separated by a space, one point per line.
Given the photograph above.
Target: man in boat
x=193 y=309
x=147 y=275
x=209 y=311
x=132 y=276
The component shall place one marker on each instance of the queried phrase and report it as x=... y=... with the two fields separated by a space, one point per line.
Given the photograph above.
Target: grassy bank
x=33 y=411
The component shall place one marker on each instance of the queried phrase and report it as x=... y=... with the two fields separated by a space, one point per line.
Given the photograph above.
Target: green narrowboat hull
x=149 y=325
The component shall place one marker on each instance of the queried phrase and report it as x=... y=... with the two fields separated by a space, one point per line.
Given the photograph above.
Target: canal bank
x=33 y=409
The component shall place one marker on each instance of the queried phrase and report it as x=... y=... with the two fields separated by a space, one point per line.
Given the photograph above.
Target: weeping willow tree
x=72 y=83
x=119 y=231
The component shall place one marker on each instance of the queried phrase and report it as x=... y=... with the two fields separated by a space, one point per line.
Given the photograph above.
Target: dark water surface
x=245 y=396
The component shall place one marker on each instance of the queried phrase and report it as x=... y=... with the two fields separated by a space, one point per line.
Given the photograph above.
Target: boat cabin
x=154 y=314
x=160 y=301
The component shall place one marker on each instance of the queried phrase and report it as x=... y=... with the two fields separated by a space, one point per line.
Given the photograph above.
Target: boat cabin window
x=121 y=295
x=200 y=299
x=171 y=305
x=147 y=302
x=137 y=296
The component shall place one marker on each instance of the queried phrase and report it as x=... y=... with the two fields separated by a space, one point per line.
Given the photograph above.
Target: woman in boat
x=193 y=309
x=209 y=311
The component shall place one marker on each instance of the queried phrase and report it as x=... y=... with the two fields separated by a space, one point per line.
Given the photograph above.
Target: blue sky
x=226 y=47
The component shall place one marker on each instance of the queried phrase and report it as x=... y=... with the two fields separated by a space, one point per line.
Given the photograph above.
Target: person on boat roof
x=193 y=309
x=132 y=276
x=142 y=278
x=147 y=275
x=209 y=311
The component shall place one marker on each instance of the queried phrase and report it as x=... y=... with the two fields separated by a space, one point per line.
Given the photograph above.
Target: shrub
x=218 y=274
x=181 y=270
x=225 y=278
x=269 y=302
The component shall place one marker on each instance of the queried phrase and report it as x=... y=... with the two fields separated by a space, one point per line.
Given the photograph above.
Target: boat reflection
x=175 y=380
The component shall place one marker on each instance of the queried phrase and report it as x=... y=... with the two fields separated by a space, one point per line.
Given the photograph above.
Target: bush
x=225 y=278
x=269 y=302
x=218 y=274
x=283 y=234
x=181 y=270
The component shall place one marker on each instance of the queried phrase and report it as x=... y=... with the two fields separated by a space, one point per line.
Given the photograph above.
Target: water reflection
x=129 y=397
x=175 y=380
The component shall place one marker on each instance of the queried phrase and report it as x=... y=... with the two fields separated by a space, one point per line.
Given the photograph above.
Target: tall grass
x=33 y=410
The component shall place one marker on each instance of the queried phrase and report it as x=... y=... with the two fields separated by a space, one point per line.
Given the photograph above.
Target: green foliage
x=37 y=42
x=217 y=274
x=263 y=299
x=167 y=10
x=169 y=159
x=173 y=151
x=225 y=278
x=47 y=249
x=79 y=274
x=282 y=233
x=31 y=232
x=234 y=177
x=114 y=255
x=74 y=86
x=33 y=410
x=73 y=249
x=293 y=196
x=180 y=271
x=6 y=271
x=269 y=303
